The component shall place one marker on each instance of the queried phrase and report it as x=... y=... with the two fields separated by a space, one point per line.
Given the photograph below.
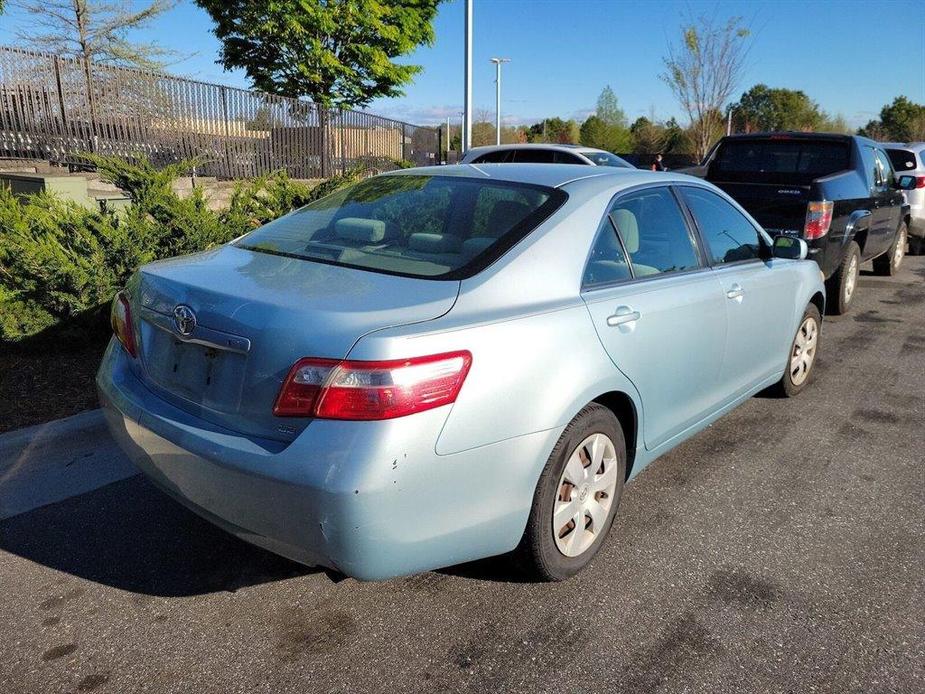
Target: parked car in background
x=543 y=154
x=837 y=192
x=443 y=364
x=909 y=159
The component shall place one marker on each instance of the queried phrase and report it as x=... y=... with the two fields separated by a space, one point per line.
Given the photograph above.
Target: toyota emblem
x=184 y=319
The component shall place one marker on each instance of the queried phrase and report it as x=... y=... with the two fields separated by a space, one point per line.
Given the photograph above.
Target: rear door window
x=607 y=262
x=534 y=156
x=885 y=167
x=497 y=157
x=902 y=159
x=568 y=158
x=730 y=237
x=654 y=233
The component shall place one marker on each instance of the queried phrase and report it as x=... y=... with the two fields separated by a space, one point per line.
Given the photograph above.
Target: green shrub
x=61 y=264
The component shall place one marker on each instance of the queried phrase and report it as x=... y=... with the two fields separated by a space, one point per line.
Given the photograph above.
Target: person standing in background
x=658 y=164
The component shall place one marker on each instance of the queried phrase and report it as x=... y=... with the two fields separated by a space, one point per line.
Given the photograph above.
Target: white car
x=543 y=154
x=909 y=160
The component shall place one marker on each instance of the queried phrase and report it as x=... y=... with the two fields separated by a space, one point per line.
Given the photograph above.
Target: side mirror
x=906 y=182
x=790 y=248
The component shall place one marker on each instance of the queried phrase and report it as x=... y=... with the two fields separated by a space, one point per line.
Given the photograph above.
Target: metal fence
x=57 y=108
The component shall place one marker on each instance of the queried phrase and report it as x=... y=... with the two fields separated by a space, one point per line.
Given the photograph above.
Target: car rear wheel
x=842 y=284
x=802 y=356
x=916 y=245
x=888 y=263
x=577 y=496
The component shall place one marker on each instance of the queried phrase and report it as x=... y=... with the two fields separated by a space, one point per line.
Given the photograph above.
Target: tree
x=608 y=109
x=703 y=71
x=95 y=30
x=338 y=53
x=763 y=108
x=648 y=137
x=554 y=130
x=597 y=132
x=901 y=121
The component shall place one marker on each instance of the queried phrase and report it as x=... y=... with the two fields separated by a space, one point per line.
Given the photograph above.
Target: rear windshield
x=903 y=159
x=445 y=227
x=606 y=159
x=780 y=161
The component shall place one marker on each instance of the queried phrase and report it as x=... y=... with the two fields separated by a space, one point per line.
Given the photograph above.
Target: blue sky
x=851 y=57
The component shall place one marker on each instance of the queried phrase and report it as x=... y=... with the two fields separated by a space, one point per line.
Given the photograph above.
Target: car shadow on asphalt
x=129 y=535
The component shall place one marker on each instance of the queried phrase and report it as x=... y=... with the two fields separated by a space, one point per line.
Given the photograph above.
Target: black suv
x=835 y=191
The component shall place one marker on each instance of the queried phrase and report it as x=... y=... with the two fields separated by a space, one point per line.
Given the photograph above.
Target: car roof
x=795 y=135
x=913 y=146
x=550 y=175
x=565 y=146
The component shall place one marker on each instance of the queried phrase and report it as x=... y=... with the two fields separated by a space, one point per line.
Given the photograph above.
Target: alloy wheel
x=804 y=351
x=585 y=495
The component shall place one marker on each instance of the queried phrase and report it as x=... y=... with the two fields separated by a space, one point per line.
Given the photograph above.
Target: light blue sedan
x=443 y=364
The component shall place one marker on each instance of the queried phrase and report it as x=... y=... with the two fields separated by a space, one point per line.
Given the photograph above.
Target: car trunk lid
x=219 y=330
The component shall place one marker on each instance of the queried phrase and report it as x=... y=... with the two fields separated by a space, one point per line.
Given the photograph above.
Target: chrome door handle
x=735 y=292
x=623 y=315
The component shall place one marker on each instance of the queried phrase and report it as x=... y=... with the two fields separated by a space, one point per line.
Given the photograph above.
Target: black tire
x=916 y=245
x=888 y=264
x=838 y=285
x=538 y=551
x=789 y=385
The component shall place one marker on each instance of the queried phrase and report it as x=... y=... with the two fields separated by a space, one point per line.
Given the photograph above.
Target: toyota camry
x=437 y=365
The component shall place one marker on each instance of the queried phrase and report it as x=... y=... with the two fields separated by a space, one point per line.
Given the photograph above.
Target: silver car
x=547 y=153
x=909 y=160
x=443 y=364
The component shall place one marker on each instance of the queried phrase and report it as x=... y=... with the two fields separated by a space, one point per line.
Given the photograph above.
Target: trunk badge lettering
x=184 y=319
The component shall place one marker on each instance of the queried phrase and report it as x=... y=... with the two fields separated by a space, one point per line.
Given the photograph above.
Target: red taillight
x=364 y=390
x=121 y=318
x=920 y=181
x=818 y=220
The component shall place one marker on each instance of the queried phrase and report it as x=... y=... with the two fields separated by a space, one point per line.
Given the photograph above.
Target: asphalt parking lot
x=781 y=550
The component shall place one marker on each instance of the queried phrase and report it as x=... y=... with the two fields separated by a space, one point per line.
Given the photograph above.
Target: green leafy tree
x=555 y=130
x=764 y=108
x=702 y=72
x=608 y=108
x=596 y=132
x=338 y=53
x=647 y=137
x=901 y=121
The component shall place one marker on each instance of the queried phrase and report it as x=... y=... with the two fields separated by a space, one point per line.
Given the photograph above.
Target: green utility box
x=65 y=187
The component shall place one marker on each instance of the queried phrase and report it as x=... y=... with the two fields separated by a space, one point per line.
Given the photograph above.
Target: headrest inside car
x=434 y=243
x=362 y=230
x=629 y=229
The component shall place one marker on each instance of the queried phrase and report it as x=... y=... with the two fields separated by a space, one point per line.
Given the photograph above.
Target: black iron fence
x=57 y=108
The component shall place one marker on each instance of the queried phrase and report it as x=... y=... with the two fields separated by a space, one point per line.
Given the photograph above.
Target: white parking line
x=51 y=462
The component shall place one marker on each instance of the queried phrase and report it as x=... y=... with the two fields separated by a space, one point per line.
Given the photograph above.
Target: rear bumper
x=370 y=499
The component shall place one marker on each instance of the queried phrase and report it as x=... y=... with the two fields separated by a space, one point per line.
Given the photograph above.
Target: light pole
x=497 y=62
x=467 y=101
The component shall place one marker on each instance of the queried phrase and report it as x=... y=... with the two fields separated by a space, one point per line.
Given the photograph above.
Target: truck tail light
x=818 y=220
x=920 y=181
x=367 y=390
x=120 y=316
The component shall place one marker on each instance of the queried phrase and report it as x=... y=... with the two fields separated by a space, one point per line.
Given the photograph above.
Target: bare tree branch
x=703 y=71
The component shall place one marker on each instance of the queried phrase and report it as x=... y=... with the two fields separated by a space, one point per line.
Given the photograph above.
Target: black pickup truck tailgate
x=778 y=208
